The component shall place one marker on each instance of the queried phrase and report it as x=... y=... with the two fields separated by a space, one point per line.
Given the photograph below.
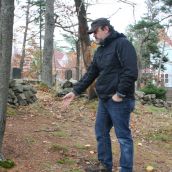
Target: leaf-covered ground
x=42 y=137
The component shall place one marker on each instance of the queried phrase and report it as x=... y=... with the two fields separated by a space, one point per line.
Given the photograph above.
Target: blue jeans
x=115 y=114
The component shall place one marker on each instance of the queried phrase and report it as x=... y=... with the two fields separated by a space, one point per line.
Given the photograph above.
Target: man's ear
x=106 y=28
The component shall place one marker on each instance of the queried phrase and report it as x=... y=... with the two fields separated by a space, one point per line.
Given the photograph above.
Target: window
x=166 y=80
x=166 y=76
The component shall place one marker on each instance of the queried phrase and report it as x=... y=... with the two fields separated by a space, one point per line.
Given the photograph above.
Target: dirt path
x=43 y=138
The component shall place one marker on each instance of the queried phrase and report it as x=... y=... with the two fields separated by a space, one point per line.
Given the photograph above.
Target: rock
x=150 y=99
x=63 y=92
x=169 y=103
x=73 y=81
x=18 y=88
x=153 y=96
x=21 y=93
x=147 y=97
x=67 y=84
x=139 y=94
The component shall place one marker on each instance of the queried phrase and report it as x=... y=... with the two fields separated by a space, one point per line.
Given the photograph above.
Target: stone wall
x=21 y=93
x=151 y=99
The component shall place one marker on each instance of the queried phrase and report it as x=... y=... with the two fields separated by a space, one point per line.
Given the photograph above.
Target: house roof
x=64 y=61
x=57 y=56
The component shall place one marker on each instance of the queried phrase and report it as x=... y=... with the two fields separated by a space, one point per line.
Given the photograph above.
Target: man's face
x=100 y=34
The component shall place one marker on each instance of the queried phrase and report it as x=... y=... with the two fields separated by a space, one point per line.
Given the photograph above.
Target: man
x=114 y=67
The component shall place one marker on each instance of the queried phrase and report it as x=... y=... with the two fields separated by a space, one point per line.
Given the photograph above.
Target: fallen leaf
x=139 y=144
x=149 y=168
x=87 y=145
x=92 y=152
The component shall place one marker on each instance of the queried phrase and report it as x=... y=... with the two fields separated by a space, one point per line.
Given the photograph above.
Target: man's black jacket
x=115 y=67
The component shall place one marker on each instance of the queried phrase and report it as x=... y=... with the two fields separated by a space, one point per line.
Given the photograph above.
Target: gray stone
x=21 y=93
x=21 y=96
x=18 y=88
x=73 y=81
x=139 y=94
x=34 y=91
x=153 y=96
x=63 y=92
x=67 y=84
x=147 y=97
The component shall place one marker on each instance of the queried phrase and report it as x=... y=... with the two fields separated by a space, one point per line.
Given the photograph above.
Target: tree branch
x=127 y=2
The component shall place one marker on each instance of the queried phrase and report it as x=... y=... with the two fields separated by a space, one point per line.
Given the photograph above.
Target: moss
x=66 y=161
x=7 y=163
x=11 y=111
x=59 y=148
x=60 y=134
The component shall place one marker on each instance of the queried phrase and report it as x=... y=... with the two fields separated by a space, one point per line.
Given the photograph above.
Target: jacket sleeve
x=129 y=74
x=87 y=79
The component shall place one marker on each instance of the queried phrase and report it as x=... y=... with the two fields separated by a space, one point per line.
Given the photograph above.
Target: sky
x=121 y=13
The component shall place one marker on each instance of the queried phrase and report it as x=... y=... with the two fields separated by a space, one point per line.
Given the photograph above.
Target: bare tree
x=46 y=75
x=6 y=35
x=83 y=27
x=84 y=40
x=25 y=36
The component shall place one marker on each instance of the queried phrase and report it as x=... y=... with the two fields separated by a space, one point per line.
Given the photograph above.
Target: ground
x=43 y=137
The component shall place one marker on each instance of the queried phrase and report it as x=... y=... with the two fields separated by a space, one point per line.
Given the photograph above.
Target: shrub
x=152 y=89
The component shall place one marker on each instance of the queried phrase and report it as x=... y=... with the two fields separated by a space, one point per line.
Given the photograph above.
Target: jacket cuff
x=76 y=94
x=120 y=95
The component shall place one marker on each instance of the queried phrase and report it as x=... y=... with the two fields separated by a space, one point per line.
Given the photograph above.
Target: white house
x=166 y=76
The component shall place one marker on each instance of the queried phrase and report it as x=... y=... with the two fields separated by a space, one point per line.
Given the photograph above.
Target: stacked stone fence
x=21 y=93
x=151 y=99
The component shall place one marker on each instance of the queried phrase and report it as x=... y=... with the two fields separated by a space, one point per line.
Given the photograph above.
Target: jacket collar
x=112 y=36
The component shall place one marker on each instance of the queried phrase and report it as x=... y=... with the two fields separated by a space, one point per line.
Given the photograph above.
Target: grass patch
x=11 y=111
x=153 y=109
x=59 y=148
x=7 y=164
x=66 y=161
x=29 y=140
x=92 y=104
x=43 y=87
x=46 y=166
x=81 y=147
x=161 y=135
x=61 y=134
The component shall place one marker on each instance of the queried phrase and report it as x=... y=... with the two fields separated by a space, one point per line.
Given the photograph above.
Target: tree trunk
x=77 y=60
x=84 y=40
x=160 y=65
x=139 y=64
x=25 y=36
x=6 y=35
x=48 y=44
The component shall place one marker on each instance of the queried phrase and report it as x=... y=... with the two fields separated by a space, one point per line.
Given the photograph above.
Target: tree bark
x=77 y=60
x=84 y=40
x=25 y=36
x=48 y=44
x=160 y=65
x=139 y=64
x=6 y=35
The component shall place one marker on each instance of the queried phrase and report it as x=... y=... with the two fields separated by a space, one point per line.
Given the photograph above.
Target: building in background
x=64 y=65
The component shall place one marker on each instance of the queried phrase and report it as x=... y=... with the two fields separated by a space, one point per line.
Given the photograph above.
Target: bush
x=152 y=89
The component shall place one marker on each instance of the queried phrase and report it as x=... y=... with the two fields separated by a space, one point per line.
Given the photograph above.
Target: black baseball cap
x=98 y=23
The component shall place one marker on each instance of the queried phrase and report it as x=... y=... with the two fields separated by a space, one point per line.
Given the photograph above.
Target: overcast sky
x=121 y=13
